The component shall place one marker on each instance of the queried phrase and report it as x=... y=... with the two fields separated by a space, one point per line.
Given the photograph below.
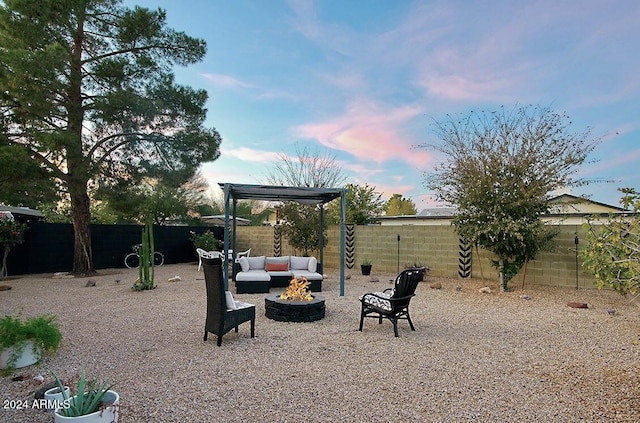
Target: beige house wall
x=434 y=246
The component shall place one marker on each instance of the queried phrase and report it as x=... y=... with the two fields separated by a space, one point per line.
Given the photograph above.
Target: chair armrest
x=392 y=299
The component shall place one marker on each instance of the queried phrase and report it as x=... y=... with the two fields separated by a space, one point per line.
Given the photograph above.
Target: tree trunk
x=81 y=218
x=501 y=270
x=77 y=163
x=524 y=274
x=4 y=271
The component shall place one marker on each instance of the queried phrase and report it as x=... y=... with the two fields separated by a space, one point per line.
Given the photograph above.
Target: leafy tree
x=612 y=249
x=300 y=222
x=23 y=181
x=400 y=206
x=160 y=202
x=88 y=93
x=363 y=204
x=499 y=169
x=301 y=225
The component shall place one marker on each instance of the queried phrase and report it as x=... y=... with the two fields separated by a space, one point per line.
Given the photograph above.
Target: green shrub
x=206 y=240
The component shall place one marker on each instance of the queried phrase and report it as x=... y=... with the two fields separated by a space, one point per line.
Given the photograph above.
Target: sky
x=363 y=81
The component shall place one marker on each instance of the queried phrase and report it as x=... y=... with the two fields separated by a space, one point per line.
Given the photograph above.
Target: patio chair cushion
x=231 y=304
x=375 y=301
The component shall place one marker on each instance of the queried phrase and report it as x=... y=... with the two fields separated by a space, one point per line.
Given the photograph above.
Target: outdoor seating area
x=260 y=274
x=472 y=356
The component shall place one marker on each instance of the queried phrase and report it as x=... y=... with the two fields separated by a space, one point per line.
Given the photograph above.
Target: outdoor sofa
x=259 y=274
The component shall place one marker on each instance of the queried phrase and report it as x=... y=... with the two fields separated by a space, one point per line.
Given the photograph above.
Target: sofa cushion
x=244 y=264
x=256 y=263
x=311 y=276
x=313 y=264
x=282 y=259
x=256 y=275
x=299 y=263
x=277 y=267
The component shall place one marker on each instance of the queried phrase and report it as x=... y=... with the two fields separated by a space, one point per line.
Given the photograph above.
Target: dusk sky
x=364 y=80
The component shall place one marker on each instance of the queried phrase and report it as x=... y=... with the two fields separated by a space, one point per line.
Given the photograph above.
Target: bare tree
x=301 y=223
x=308 y=169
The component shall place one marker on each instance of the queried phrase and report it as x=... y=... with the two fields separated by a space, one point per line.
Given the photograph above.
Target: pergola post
x=343 y=217
x=225 y=269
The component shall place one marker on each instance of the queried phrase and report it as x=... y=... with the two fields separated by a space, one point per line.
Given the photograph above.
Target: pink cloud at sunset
x=368 y=132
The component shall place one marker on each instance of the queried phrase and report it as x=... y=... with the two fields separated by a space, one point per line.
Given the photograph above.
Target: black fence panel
x=48 y=247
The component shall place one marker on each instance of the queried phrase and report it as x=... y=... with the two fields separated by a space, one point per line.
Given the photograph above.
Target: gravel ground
x=494 y=357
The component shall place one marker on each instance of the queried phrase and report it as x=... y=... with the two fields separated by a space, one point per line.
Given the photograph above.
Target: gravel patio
x=500 y=357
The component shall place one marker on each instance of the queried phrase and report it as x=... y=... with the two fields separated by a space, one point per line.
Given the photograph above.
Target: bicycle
x=132 y=260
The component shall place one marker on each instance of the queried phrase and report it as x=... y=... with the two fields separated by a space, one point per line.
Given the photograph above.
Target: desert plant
x=366 y=262
x=43 y=331
x=89 y=396
x=146 y=270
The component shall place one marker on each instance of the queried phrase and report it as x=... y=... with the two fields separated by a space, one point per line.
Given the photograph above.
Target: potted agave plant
x=22 y=341
x=365 y=267
x=93 y=402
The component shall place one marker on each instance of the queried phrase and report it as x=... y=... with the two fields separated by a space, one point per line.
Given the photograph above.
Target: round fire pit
x=294 y=311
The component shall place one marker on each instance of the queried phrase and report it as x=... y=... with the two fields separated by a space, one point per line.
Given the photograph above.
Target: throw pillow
x=244 y=264
x=313 y=264
x=277 y=267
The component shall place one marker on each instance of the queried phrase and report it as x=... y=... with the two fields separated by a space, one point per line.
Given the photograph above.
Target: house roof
x=218 y=220
x=572 y=199
x=565 y=205
x=25 y=212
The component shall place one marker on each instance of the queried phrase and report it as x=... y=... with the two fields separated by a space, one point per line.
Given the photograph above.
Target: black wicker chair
x=221 y=320
x=393 y=303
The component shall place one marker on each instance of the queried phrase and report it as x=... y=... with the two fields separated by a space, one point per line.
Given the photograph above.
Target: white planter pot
x=109 y=414
x=25 y=358
x=55 y=398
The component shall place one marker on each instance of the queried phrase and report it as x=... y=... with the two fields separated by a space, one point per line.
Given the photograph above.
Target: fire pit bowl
x=294 y=311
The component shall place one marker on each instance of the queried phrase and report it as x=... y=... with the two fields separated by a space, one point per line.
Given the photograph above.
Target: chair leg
x=219 y=340
x=236 y=329
x=253 y=328
x=361 y=318
x=205 y=334
x=395 y=326
x=410 y=322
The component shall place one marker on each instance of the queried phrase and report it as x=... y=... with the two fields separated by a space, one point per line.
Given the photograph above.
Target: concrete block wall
x=434 y=246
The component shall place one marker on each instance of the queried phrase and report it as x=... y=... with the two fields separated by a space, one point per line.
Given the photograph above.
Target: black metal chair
x=220 y=319
x=393 y=303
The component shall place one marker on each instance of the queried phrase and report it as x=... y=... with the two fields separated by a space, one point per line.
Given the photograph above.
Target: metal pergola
x=303 y=195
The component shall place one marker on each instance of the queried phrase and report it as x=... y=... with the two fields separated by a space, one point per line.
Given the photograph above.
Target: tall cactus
x=146 y=270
